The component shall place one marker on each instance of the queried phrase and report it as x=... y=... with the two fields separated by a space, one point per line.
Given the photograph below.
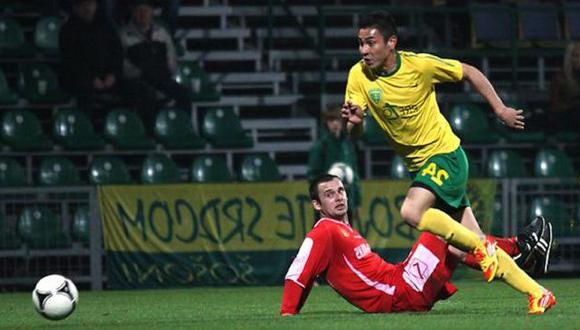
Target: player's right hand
x=352 y=113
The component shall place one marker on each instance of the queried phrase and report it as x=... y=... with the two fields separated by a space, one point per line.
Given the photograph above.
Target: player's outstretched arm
x=353 y=115
x=509 y=116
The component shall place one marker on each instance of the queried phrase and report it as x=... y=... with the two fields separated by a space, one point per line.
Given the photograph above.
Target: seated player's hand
x=287 y=314
x=352 y=113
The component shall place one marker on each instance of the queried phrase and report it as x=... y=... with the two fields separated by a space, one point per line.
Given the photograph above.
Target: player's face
x=333 y=201
x=374 y=49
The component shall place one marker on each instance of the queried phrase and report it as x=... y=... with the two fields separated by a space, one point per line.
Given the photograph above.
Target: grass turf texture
x=476 y=306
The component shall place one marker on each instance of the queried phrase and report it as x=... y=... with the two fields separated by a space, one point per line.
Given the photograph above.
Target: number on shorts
x=437 y=176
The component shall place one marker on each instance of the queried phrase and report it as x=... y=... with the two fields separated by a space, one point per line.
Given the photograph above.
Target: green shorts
x=446 y=176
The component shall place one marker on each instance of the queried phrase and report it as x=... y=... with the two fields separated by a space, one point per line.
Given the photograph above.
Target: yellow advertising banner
x=250 y=216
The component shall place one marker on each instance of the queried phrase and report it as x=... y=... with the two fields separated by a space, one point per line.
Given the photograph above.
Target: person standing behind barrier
x=565 y=95
x=335 y=153
x=150 y=60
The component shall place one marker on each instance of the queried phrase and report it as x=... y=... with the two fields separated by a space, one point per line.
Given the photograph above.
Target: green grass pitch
x=476 y=306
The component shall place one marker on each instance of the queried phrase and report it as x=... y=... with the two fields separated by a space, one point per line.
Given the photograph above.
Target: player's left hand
x=511 y=117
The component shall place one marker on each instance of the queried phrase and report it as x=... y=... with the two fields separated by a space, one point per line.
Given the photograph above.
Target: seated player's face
x=333 y=201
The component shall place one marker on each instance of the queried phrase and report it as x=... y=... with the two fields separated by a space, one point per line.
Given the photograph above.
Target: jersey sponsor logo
x=362 y=250
x=419 y=267
x=375 y=94
x=383 y=287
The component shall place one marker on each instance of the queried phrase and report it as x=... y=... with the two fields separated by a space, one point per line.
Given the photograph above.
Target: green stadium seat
x=58 y=171
x=11 y=173
x=174 y=129
x=108 y=170
x=81 y=230
x=46 y=34
x=556 y=212
x=210 y=168
x=12 y=40
x=398 y=169
x=551 y=163
x=8 y=238
x=7 y=97
x=38 y=84
x=471 y=124
x=158 y=168
x=192 y=76
x=74 y=130
x=506 y=164
x=373 y=134
x=21 y=131
x=125 y=130
x=223 y=129
x=40 y=229
x=259 y=168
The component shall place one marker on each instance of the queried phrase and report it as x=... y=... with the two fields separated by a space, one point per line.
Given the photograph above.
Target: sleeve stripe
x=299 y=262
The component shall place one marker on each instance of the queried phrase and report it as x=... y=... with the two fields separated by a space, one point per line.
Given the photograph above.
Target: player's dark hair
x=381 y=20
x=313 y=189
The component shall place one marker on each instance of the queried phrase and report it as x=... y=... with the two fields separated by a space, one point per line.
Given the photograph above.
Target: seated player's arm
x=312 y=259
x=511 y=117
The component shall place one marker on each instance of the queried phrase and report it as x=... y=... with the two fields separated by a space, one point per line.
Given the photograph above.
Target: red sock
x=508 y=244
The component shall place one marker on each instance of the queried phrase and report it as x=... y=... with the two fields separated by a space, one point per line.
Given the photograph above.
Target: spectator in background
x=92 y=58
x=335 y=153
x=150 y=59
x=565 y=98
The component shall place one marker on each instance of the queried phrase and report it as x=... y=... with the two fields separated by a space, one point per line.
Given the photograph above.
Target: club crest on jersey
x=375 y=94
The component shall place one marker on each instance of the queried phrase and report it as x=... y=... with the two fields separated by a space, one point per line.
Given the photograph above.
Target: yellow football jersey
x=405 y=106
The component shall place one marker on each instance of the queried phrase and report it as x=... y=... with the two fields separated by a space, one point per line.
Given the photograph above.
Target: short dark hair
x=381 y=20
x=313 y=189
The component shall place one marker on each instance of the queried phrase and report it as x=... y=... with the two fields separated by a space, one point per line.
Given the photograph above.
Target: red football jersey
x=338 y=252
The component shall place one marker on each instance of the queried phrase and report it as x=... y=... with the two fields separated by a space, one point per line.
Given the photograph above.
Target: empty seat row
x=548 y=163
x=38 y=228
x=73 y=130
x=14 y=43
x=156 y=168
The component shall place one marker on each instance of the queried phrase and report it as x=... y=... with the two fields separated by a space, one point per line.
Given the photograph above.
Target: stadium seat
x=46 y=34
x=7 y=97
x=40 y=229
x=21 y=131
x=505 y=164
x=81 y=229
x=192 y=76
x=108 y=170
x=159 y=168
x=539 y=24
x=210 y=168
x=373 y=134
x=554 y=211
x=8 y=238
x=58 y=171
x=174 y=129
x=12 y=40
x=552 y=163
x=471 y=124
x=74 y=130
x=223 y=129
x=492 y=25
x=125 y=130
x=259 y=168
x=11 y=173
x=38 y=84
x=398 y=169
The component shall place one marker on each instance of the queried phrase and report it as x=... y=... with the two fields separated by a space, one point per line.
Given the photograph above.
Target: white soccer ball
x=55 y=297
x=343 y=171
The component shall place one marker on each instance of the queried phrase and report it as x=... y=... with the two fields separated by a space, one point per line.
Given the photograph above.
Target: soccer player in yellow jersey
x=398 y=89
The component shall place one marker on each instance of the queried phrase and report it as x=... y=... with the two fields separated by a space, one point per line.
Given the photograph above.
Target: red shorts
x=424 y=276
